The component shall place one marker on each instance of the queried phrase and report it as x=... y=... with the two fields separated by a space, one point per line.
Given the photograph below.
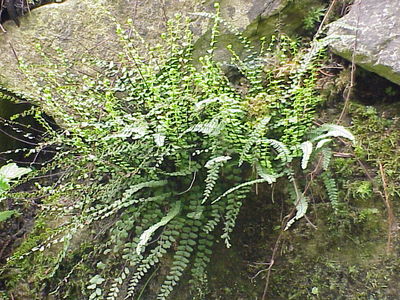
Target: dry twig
x=392 y=226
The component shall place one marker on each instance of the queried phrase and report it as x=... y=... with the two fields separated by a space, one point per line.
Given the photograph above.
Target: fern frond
x=301 y=204
x=108 y=210
x=281 y=149
x=266 y=174
x=213 y=218
x=307 y=148
x=198 y=281
x=331 y=189
x=334 y=130
x=213 y=165
x=211 y=128
x=322 y=143
x=232 y=209
x=134 y=131
x=144 y=238
x=255 y=135
x=180 y=262
x=270 y=179
x=326 y=157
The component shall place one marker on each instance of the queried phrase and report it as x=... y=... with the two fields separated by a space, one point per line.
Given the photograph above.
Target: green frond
x=283 y=153
x=333 y=130
x=213 y=165
x=144 y=238
x=232 y=209
x=331 y=189
x=255 y=135
x=326 y=158
x=307 y=148
x=269 y=179
x=301 y=204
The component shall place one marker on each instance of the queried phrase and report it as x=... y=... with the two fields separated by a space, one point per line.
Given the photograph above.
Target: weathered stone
x=370 y=34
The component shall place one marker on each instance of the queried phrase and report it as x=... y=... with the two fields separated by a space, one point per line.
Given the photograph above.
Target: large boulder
x=86 y=26
x=370 y=34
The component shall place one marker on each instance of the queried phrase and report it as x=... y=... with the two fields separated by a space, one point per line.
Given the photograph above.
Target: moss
x=342 y=259
x=346 y=257
x=228 y=275
x=332 y=279
x=27 y=267
x=289 y=20
x=32 y=277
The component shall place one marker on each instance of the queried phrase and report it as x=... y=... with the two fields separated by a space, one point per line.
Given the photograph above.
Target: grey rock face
x=370 y=34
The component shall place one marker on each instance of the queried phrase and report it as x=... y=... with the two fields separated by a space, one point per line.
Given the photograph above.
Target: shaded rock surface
x=372 y=32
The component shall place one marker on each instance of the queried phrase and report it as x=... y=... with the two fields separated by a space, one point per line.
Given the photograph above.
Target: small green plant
x=8 y=173
x=362 y=190
x=158 y=150
x=390 y=91
x=314 y=16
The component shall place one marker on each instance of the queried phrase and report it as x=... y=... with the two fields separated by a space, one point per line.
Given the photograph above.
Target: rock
x=372 y=31
x=79 y=27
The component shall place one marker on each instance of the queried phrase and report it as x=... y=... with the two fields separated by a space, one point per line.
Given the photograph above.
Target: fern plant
x=158 y=150
x=8 y=173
